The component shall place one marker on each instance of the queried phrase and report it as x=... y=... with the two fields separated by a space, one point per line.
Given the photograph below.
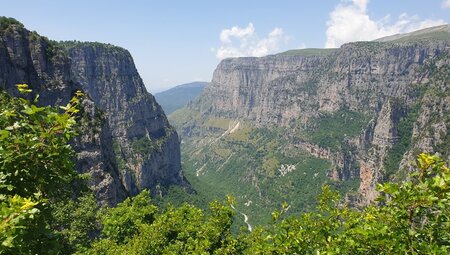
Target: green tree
x=36 y=165
x=135 y=227
x=412 y=217
x=75 y=222
x=39 y=217
x=122 y=222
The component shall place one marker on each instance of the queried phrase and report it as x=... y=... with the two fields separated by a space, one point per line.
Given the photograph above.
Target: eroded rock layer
x=397 y=87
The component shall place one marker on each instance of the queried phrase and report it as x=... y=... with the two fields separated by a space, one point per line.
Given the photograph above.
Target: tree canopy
x=40 y=215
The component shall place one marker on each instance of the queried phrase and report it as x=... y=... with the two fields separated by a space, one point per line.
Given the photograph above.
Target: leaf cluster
x=36 y=165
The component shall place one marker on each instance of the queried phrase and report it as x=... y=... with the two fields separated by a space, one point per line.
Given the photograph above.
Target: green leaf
x=8 y=242
x=4 y=134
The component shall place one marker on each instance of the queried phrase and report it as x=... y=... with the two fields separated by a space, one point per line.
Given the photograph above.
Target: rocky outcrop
x=95 y=155
x=108 y=75
x=430 y=133
x=343 y=163
x=385 y=129
x=126 y=142
x=383 y=81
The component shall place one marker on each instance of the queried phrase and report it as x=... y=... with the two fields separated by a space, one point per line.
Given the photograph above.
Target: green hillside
x=433 y=33
x=177 y=97
x=259 y=166
x=308 y=52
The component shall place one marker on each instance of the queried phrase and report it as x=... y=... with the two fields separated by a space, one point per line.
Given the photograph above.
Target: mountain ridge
x=355 y=109
x=437 y=32
x=177 y=97
x=126 y=142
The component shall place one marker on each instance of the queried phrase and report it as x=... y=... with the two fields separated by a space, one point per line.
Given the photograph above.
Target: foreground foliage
x=40 y=214
x=409 y=218
x=136 y=227
x=35 y=168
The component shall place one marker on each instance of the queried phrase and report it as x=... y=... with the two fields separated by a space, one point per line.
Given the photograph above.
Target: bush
x=409 y=218
x=35 y=168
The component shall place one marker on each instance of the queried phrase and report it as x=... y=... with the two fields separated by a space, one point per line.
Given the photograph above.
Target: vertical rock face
x=108 y=75
x=265 y=90
x=383 y=81
x=276 y=89
x=95 y=155
x=125 y=142
x=26 y=57
x=385 y=130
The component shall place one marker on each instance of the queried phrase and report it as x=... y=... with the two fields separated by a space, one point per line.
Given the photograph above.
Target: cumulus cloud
x=244 y=42
x=445 y=4
x=349 y=21
x=237 y=32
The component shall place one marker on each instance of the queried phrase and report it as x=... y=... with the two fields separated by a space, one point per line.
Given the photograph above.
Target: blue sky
x=175 y=42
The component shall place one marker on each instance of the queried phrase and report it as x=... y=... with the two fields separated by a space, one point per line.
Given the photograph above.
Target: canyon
x=126 y=143
x=361 y=112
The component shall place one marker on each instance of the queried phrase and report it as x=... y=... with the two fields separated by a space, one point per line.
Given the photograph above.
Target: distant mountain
x=432 y=33
x=177 y=97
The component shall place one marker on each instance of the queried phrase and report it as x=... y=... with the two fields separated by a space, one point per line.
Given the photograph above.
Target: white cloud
x=445 y=4
x=239 y=33
x=362 y=4
x=349 y=21
x=244 y=42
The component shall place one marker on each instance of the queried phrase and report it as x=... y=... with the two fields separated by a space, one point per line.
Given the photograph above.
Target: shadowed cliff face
x=126 y=142
x=392 y=86
x=145 y=143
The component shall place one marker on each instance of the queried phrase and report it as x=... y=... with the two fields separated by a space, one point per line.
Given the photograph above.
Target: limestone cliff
x=146 y=146
x=392 y=83
x=126 y=142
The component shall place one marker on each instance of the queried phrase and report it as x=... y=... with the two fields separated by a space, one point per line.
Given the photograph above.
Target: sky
x=175 y=42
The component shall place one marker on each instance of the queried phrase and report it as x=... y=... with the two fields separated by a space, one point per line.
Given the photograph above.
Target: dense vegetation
x=330 y=130
x=6 y=22
x=45 y=210
x=36 y=170
x=255 y=165
x=410 y=218
x=261 y=167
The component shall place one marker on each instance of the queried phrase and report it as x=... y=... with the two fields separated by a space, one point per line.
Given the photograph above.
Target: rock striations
x=394 y=82
x=125 y=142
